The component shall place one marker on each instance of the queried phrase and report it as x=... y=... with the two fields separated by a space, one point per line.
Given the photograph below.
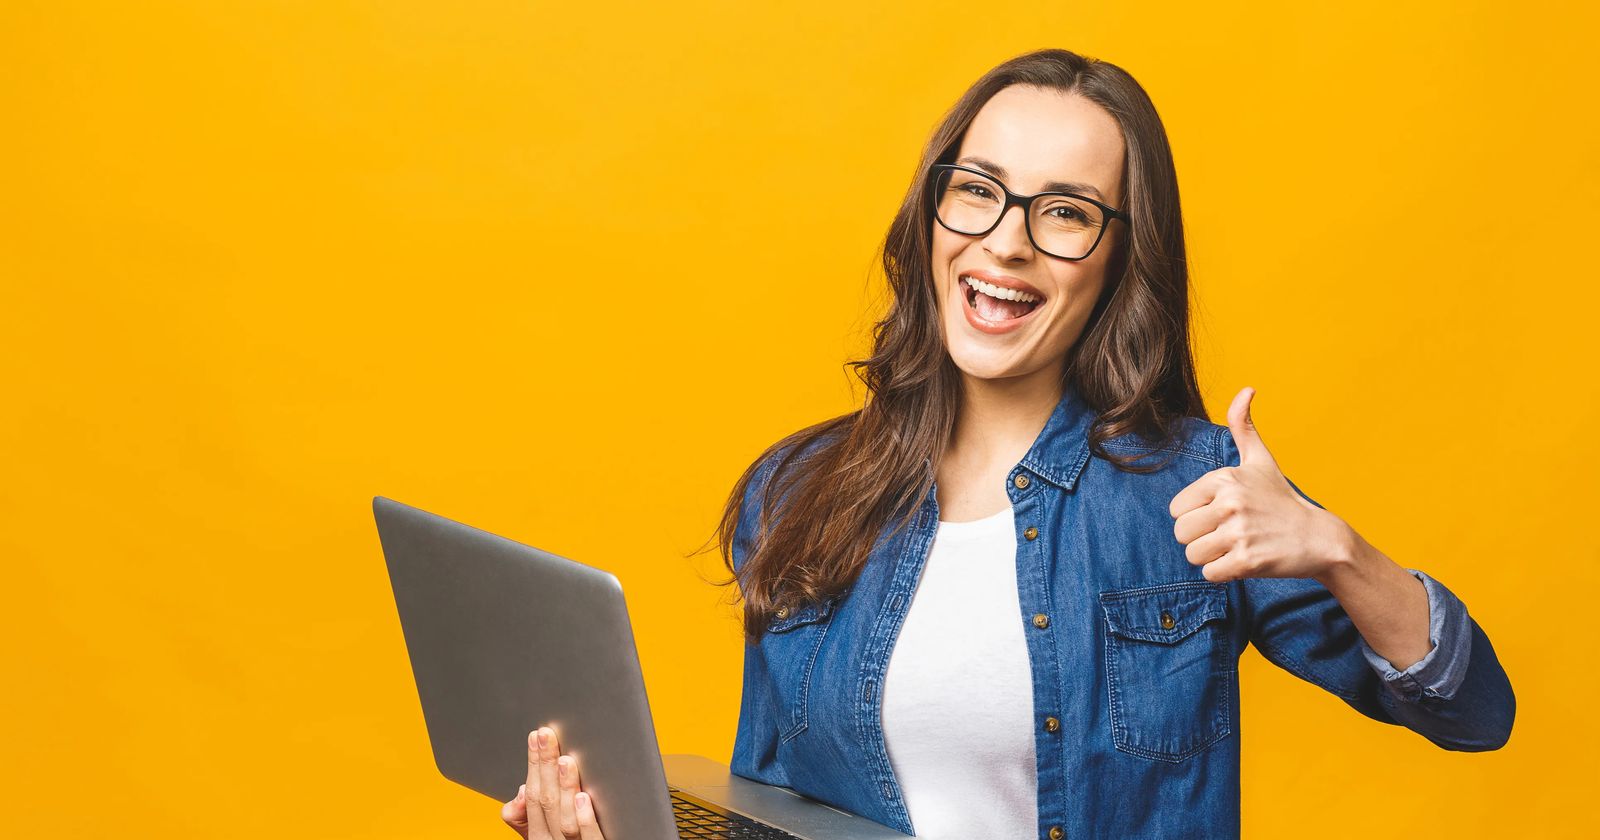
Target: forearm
x=1418 y=659
x=1387 y=604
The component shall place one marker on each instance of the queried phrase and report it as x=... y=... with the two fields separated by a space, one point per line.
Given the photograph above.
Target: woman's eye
x=1069 y=213
x=978 y=190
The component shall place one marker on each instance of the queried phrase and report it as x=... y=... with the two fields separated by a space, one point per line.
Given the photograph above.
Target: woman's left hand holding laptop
x=560 y=809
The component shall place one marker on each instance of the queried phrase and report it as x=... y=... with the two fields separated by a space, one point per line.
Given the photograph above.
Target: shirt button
x=1021 y=481
x=1166 y=620
x=1031 y=532
x=1041 y=621
x=783 y=612
x=1051 y=724
x=1056 y=833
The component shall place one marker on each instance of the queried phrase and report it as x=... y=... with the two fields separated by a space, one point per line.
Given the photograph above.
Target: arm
x=1452 y=691
x=1293 y=561
x=1457 y=697
x=1391 y=606
x=755 y=743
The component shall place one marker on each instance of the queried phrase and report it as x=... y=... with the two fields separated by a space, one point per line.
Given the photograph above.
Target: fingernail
x=522 y=790
x=581 y=799
x=563 y=764
x=544 y=737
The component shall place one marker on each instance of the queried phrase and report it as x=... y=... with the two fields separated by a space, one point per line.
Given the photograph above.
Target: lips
x=996 y=314
x=1004 y=281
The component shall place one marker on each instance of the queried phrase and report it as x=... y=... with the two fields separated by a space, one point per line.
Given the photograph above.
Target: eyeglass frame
x=1023 y=201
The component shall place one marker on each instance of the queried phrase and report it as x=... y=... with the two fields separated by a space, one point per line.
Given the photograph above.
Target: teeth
x=998 y=292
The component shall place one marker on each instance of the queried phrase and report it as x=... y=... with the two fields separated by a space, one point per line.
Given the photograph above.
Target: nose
x=1009 y=239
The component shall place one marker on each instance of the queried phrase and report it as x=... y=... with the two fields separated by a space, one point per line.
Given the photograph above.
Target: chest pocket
x=1169 y=671
x=791 y=644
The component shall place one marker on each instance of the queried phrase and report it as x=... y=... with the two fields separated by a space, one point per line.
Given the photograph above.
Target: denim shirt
x=1134 y=654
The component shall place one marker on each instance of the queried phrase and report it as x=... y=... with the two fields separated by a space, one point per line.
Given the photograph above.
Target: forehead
x=1039 y=136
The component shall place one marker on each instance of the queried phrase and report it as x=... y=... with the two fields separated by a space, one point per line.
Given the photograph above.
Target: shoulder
x=791 y=451
x=1195 y=440
x=786 y=454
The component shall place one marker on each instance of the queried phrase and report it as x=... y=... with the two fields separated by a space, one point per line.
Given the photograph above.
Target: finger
x=588 y=825
x=567 y=774
x=1208 y=548
x=536 y=827
x=1200 y=492
x=1252 y=449
x=1222 y=570
x=515 y=812
x=549 y=786
x=1201 y=520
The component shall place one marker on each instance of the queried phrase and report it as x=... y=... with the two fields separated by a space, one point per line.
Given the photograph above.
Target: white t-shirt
x=958 y=695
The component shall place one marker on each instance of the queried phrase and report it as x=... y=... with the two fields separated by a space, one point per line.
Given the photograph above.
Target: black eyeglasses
x=1064 y=225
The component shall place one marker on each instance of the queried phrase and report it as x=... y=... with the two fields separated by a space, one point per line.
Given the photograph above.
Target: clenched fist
x=1248 y=522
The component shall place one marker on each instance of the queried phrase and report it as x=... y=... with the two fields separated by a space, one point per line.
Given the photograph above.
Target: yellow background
x=546 y=268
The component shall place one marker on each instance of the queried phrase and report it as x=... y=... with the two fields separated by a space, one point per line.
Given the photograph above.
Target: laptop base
x=806 y=818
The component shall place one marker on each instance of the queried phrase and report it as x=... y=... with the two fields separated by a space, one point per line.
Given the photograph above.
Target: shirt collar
x=1062 y=448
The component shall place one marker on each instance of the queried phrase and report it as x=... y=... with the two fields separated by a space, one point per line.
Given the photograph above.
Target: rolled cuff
x=1439 y=673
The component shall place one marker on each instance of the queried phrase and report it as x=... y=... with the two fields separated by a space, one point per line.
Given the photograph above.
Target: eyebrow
x=1052 y=186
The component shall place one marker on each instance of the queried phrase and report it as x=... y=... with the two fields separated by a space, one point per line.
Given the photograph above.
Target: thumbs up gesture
x=1248 y=522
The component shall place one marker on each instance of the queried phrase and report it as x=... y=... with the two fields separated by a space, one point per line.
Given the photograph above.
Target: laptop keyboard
x=698 y=819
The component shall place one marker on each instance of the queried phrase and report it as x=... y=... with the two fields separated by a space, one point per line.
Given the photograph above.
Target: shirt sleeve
x=755 y=742
x=1439 y=673
x=1457 y=696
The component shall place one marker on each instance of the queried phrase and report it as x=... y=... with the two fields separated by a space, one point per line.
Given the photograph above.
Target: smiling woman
x=1007 y=597
x=1109 y=320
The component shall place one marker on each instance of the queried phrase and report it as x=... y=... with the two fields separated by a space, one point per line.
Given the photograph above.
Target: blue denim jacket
x=1134 y=653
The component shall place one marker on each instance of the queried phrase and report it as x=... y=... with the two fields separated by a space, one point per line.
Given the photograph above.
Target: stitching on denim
x=1117 y=594
x=1174 y=758
x=1214 y=605
x=1129 y=447
x=810 y=614
x=873 y=738
x=1216 y=445
x=1117 y=735
x=1052 y=639
x=799 y=712
x=1044 y=471
x=1066 y=479
x=1219 y=715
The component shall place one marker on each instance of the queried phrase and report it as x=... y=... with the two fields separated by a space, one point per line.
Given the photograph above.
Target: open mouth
x=996 y=304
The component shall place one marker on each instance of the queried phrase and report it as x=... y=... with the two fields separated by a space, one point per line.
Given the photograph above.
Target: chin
x=981 y=366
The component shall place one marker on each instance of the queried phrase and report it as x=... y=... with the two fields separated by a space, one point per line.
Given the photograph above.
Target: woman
x=1007 y=597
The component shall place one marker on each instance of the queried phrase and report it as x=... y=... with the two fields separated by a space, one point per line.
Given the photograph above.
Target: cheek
x=1076 y=294
x=945 y=247
x=1084 y=282
x=943 y=253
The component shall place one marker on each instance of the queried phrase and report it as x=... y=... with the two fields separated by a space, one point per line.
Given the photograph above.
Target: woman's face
x=1025 y=137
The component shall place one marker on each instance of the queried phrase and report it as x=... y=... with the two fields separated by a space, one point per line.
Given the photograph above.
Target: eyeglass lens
x=1062 y=226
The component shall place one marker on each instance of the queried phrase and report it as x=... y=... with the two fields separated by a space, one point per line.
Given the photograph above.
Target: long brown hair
x=868 y=469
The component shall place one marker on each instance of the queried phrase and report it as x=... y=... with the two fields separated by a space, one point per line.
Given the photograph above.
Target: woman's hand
x=1247 y=522
x=551 y=804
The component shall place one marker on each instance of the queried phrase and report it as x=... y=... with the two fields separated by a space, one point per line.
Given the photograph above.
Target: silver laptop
x=504 y=638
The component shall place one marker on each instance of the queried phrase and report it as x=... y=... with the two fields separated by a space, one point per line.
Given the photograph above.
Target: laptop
x=504 y=637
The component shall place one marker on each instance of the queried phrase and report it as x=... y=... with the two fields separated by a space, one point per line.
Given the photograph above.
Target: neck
x=1000 y=418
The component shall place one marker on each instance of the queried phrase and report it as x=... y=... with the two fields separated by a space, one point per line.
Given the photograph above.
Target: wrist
x=1343 y=554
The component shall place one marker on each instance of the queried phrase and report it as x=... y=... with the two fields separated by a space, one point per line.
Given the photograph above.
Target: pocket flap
x=1164 y=613
x=802 y=615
